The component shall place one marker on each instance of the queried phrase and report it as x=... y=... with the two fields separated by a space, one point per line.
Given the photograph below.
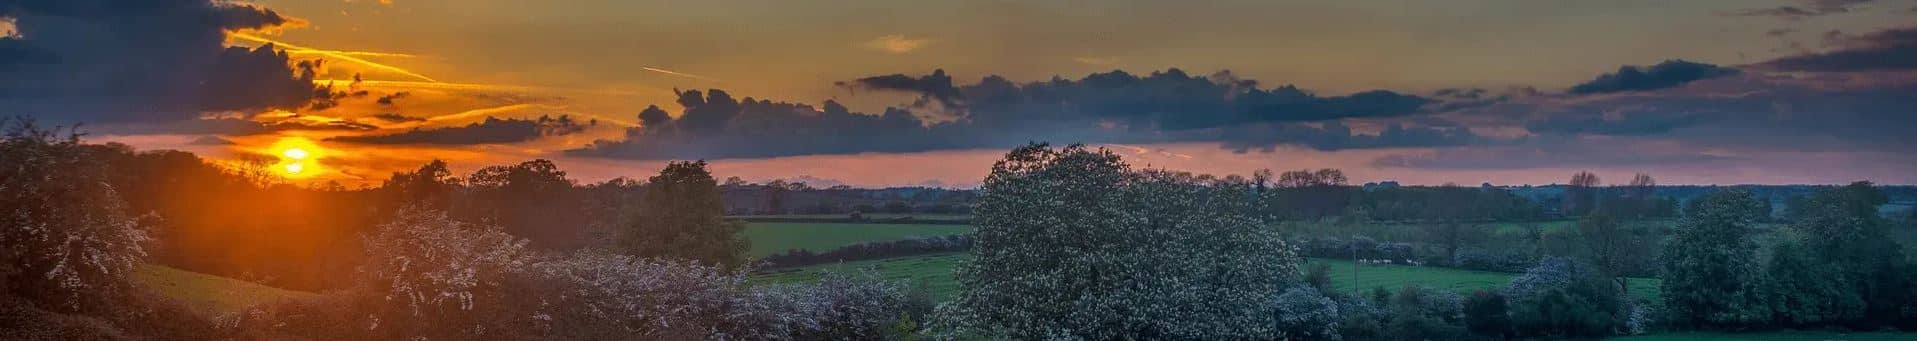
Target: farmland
x=771 y=238
x=208 y=294
x=936 y=271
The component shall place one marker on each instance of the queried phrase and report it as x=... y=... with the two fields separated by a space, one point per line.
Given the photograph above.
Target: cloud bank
x=144 y=61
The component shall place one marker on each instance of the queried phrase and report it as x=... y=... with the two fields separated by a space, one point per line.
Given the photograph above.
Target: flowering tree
x=1304 y=313
x=1071 y=243
x=64 y=235
x=432 y=272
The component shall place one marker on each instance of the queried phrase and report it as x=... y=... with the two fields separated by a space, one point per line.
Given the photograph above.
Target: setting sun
x=298 y=157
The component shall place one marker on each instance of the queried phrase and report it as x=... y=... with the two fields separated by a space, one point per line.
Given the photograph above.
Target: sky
x=890 y=93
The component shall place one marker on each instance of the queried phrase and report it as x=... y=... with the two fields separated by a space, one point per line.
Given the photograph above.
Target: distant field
x=772 y=238
x=1778 y=336
x=932 y=270
x=209 y=294
x=1462 y=281
x=936 y=270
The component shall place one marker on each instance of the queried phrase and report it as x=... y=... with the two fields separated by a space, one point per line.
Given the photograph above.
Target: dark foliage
x=871 y=250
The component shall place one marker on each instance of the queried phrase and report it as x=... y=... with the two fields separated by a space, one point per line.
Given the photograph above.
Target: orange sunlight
x=298 y=157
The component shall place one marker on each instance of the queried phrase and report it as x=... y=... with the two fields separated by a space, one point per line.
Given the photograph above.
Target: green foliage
x=1802 y=291
x=1563 y=298
x=1305 y=313
x=1419 y=313
x=1710 y=263
x=1842 y=228
x=1486 y=314
x=683 y=216
x=1071 y=243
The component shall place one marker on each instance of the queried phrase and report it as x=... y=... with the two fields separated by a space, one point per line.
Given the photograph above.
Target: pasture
x=208 y=294
x=770 y=238
x=936 y=271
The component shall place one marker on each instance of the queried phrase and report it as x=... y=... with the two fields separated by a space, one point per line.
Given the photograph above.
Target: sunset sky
x=886 y=93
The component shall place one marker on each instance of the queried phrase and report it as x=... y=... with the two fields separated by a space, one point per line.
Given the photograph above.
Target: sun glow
x=298 y=157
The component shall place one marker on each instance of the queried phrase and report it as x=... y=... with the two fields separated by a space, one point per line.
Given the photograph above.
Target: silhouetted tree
x=1580 y=196
x=682 y=216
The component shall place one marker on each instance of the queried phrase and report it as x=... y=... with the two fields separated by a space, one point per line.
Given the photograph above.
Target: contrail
x=333 y=54
x=681 y=74
x=354 y=53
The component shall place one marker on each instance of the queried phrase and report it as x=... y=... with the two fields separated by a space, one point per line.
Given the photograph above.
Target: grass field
x=936 y=271
x=209 y=294
x=1461 y=281
x=771 y=238
x=1771 y=336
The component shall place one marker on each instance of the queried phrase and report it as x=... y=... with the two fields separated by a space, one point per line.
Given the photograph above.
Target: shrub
x=1304 y=313
x=65 y=241
x=437 y=276
x=1486 y=314
x=1562 y=298
x=1419 y=313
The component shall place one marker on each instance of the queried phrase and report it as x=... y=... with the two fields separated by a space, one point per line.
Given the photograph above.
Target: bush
x=1304 y=313
x=1562 y=298
x=66 y=243
x=438 y=277
x=1419 y=313
x=1486 y=314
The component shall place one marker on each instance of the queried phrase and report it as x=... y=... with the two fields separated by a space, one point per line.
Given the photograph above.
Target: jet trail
x=334 y=54
x=681 y=74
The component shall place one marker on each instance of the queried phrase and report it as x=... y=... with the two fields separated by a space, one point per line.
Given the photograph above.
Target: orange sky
x=463 y=61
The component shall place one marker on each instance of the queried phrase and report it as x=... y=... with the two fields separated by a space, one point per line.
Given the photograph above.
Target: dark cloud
x=396 y=118
x=1668 y=74
x=490 y=131
x=1113 y=107
x=1809 y=8
x=1891 y=49
x=224 y=126
x=1333 y=135
x=210 y=141
x=387 y=100
x=1168 y=100
x=936 y=86
x=144 y=61
x=1629 y=123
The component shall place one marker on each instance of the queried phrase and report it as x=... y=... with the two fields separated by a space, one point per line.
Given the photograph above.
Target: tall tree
x=1071 y=243
x=1843 y=226
x=682 y=216
x=1710 y=270
x=532 y=200
x=1580 y=197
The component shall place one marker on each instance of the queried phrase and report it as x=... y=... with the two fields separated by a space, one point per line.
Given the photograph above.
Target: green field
x=209 y=294
x=936 y=271
x=1771 y=336
x=1461 y=281
x=772 y=238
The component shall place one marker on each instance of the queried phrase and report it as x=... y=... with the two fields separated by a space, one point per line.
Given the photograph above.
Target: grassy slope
x=209 y=294
x=772 y=238
x=936 y=271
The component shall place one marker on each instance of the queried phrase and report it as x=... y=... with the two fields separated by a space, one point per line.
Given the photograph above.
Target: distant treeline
x=870 y=251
